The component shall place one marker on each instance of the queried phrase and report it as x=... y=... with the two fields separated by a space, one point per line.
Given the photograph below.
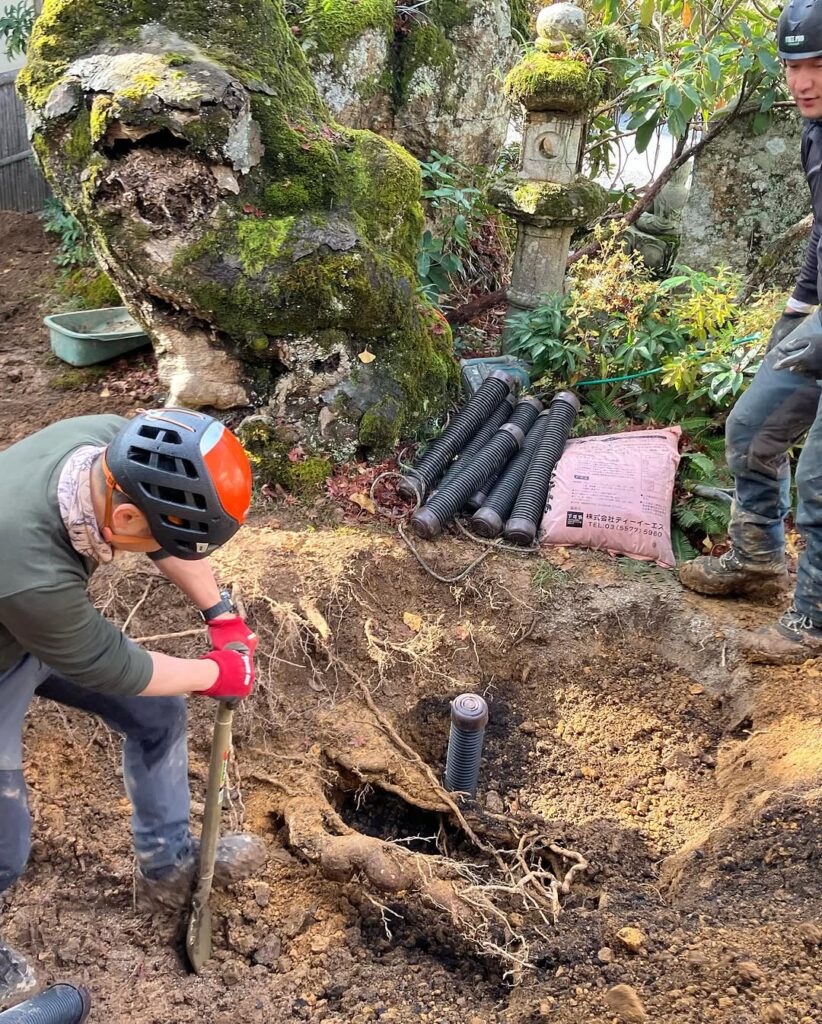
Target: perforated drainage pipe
x=428 y=521
x=489 y=520
x=481 y=439
x=529 y=507
x=482 y=404
x=469 y=716
x=60 y=1004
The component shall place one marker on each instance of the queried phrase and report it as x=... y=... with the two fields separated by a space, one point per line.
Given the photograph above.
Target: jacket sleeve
x=61 y=627
x=806 y=289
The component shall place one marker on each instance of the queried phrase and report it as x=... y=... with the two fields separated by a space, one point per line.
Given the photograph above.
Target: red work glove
x=231 y=631
x=236 y=678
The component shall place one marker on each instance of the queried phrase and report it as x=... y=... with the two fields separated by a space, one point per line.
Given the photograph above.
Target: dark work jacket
x=809 y=283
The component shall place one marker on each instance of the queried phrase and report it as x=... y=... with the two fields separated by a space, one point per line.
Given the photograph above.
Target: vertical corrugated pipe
x=418 y=481
x=428 y=521
x=469 y=716
x=489 y=520
x=529 y=507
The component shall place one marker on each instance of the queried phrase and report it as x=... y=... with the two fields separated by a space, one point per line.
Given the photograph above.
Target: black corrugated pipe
x=489 y=520
x=469 y=716
x=60 y=1004
x=481 y=439
x=428 y=521
x=479 y=498
x=419 y=480
x=529 y=507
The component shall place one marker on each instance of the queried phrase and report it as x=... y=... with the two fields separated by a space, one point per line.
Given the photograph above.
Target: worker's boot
x=730 y=575
x=794 y=638
x=238 y=856
x=16 y=976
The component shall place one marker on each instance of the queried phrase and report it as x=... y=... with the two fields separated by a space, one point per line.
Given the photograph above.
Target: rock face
x=425 y=79
x=746 y=190
x=267 y=249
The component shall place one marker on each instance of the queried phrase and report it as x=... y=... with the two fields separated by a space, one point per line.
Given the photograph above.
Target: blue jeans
x=155 y=765
x=771 y=417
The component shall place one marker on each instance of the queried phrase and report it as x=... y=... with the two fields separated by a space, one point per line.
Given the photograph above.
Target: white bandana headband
x=76 y=507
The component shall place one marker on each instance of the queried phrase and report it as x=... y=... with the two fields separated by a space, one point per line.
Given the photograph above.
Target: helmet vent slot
x=160 y=434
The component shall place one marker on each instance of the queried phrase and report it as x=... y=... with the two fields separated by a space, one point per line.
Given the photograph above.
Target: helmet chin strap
x=121 y=541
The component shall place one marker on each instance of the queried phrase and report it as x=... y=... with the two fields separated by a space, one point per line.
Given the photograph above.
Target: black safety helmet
x=188 y=475
x=799 y=32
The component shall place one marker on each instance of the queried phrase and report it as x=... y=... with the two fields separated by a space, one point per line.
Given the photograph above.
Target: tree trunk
x=268 y=251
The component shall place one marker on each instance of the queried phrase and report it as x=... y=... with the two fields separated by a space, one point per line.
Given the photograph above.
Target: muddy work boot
x=791 y=640
x=238 y=857
x=729 y=575
x=17 y=979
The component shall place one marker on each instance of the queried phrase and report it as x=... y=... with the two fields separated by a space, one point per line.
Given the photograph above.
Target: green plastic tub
x=94 y=335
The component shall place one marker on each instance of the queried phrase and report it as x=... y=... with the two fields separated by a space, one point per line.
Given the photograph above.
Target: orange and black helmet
x=188 y=475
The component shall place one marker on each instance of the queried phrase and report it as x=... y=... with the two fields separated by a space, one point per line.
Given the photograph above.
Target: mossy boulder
x=263 y=245
x=555 y=82
x=420 y=77
x=549 y=202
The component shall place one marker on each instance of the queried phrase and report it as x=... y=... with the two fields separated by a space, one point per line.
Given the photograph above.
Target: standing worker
x=176 y=485
x=780 y=406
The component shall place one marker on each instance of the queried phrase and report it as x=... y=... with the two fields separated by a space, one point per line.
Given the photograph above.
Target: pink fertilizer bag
x=614 y=493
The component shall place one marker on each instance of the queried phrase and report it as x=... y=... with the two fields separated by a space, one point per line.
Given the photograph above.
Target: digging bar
x=198 y=933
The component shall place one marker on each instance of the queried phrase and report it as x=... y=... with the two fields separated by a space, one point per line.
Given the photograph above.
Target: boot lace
x=796 y=622
x=730 y=561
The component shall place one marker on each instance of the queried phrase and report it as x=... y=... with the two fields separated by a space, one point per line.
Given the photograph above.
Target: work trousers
x=778 y=408
x=155 y=766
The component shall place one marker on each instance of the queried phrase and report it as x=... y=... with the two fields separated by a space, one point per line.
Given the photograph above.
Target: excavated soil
x=624 y=725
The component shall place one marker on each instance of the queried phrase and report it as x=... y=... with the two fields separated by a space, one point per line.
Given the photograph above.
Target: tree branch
x=681 y=156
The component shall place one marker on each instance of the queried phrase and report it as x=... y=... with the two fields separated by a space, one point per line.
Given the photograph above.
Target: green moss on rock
x=77 y=143
x=543 y=81
x=89 y=289
x=550 y=202
x=101 y=110
x=336 y=24
x=268 y=453
x=425 y=49
x=261 y=242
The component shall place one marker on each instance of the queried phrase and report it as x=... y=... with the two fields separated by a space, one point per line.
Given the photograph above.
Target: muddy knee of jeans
x=755 y=457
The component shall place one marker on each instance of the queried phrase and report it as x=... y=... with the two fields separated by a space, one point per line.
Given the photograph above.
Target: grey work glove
x=801 y=350
x=782 y=328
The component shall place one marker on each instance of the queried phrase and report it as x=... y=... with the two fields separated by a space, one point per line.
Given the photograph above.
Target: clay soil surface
x=625 y=727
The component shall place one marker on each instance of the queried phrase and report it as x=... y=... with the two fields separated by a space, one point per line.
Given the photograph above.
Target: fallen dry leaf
x=366 y=357
x=364 y=502
x=413 y=621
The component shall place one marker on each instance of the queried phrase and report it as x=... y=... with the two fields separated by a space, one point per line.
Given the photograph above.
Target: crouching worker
x=176 y=485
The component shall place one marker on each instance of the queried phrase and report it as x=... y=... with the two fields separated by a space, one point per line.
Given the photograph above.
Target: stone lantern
x=548 y=197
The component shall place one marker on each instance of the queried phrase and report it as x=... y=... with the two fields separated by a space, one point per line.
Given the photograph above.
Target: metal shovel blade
x=198 y=937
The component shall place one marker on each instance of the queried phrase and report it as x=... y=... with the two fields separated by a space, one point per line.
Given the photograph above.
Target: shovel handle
x=234 y=702
x=217 y=772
